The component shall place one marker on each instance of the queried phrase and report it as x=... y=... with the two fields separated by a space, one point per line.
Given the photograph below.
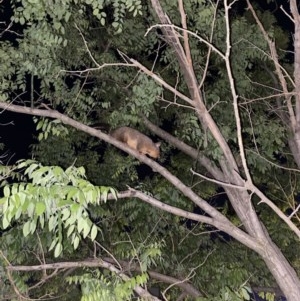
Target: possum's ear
x=157 y=144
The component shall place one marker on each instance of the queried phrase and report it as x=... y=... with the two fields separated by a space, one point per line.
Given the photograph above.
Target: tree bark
x=279 y=267
x=240 y=199
x=296 y=18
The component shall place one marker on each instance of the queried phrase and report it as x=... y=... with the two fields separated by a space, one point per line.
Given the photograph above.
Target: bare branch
x=191 y=81
x=185 y=35
x=162 y=82
x=207 y=43
x=234 y=231
x=184 y=285
x=209 y=48
x=294 y=211
x=223 y=184
x=294 y=11
x=277 y=65
x=105 y=65
x=234 y=93
x=86 y=46
x=190 y=151
x=285 y=218
x=219 y=220
x=93 y=263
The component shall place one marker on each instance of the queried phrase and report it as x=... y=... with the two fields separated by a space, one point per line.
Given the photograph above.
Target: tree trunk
x=296 y=16
x=279 y=267
x=282 y=271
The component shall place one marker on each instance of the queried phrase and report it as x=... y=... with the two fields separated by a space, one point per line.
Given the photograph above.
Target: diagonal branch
x=185 y=148
x=234 y=93
x=190 y=78
x=235 y=231
x=161 y=82
x=219 y=220
x=183 y=284
x=185 y=34
x=277 y=65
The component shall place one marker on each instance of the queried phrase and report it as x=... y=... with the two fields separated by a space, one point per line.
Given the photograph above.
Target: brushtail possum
x=137 y=141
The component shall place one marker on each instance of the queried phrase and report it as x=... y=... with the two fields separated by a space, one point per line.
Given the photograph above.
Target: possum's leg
x=133 y=143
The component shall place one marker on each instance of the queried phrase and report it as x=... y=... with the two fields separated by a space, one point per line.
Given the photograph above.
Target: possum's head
x=152 y=151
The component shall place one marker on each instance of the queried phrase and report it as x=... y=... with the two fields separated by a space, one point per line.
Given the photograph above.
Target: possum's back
x=137 y=141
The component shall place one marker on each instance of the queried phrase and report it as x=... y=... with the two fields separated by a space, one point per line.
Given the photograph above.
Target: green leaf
x=22 y=20
x=39 y=125
x=114 y=193
x=86 y=229
x=71 y=220
x=42 y=221
x=26 y=228
x=40 y=208
x=81 y=222
x=6 y=191
x=53 y=244
x=65 y=214
x=30 y=209
x=67 y=16
x=58 y=249
x=94 y=232
x=245 y=294
x=52 y=222
x=70 y=230
x=33 y=224
x=31 y=168
x=96 y=12
x=18 y=213
x=72 y=192
x=76 y=242
x=5 y=222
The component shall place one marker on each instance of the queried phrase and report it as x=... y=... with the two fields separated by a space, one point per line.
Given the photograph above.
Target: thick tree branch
x=109 y=264
x=190 y=78
x=185 y=148
x=236 y=232
x=220 y=221
x=183 y=284
x=92 y=263
x=185 y=34
x=296 y=17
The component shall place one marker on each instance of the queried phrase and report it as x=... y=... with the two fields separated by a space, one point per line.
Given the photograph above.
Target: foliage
x=95 y=286
x=55 y=199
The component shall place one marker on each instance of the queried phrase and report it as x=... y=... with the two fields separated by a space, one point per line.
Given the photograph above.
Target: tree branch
x=185 y=34
x=274 y=57
x=92 y=263
x=191 y=81
x=220 y=221
x=183 y=284
x=185 y=148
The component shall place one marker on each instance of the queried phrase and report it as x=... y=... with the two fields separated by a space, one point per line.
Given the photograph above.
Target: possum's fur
x=137 y=141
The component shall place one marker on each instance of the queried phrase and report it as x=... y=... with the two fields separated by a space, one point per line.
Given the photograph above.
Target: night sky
x=16 y=132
